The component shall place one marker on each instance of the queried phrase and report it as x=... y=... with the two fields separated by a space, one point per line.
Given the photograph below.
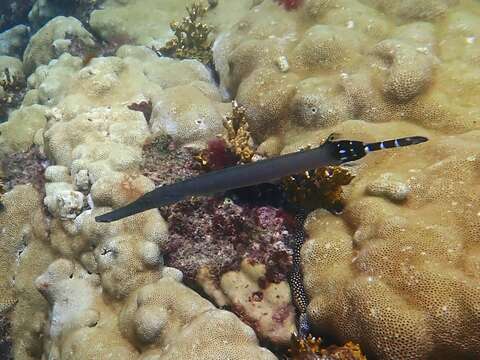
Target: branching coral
x=238 y=136
x=235 y=147
x=310 y=348
x=192 y=40
x=317 y=188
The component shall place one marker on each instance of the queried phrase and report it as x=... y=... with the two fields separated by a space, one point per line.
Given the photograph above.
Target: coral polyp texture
x=401 y=263
x=93 y=118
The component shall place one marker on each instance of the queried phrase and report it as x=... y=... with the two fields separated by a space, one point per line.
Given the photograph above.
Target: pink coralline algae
x=290 y=4
x=215 y=232
x=165 y=163
x=218 y=234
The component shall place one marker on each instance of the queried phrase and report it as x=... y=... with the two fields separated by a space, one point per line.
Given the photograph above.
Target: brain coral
x=400 y=267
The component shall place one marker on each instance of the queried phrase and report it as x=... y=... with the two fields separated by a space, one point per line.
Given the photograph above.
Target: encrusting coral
x=401 y=269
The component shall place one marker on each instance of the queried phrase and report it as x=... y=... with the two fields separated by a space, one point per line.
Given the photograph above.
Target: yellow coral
x=191 y=37
x=238 y=136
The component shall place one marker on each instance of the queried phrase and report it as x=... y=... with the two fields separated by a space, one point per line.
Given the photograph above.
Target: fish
x=331 y=152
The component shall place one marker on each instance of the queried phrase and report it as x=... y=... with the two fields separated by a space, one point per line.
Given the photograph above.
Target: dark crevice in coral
x=25 y=167
x=14 y=12
x=14 y=90
x=145 y=107
x=5 y=338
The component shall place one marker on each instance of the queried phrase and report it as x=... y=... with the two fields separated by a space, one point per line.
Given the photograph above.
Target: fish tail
x=388 y=144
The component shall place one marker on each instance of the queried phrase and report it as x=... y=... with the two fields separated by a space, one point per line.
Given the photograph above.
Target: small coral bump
x=309 y=347
x=192 y=40
x=389 y=187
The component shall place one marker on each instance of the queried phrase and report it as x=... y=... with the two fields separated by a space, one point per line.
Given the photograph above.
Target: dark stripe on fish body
x=388 y=144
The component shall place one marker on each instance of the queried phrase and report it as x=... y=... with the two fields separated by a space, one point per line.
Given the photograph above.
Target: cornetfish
x=258 y=172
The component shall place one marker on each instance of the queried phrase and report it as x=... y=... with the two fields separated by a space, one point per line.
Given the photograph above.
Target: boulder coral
x=192 y=327
x=81 y=326
x=377 y=70
x=14 y=40
x=402 y=276
x=93 y=138
x=54 y=39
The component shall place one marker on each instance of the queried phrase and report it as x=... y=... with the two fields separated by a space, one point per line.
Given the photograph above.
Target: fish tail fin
x=388 y=144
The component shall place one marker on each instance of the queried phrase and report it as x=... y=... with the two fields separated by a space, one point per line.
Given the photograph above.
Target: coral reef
x=401 y=267
x=144 y=22
x=23 y=168
x=217 y=234
x=13 y=12
x=44 y=10
x=82 y=325
x=233 y=148
x=101 y=124
x=25 y=254
x=177 y=162
x=192 y=118
x=266 y=307
x=238 y=137
x=319 y=188
x=12 y=84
